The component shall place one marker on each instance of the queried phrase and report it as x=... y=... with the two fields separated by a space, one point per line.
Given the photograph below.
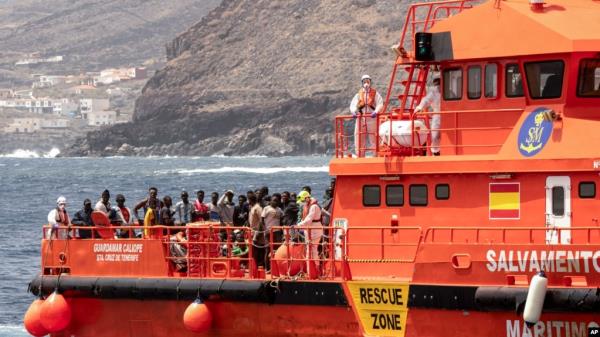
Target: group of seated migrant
x=257 y=212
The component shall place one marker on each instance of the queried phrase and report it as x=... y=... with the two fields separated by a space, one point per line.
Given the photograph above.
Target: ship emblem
x=535 y=132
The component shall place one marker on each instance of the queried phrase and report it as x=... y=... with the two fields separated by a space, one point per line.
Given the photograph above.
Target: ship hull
x=136 y=318
x=155 y=307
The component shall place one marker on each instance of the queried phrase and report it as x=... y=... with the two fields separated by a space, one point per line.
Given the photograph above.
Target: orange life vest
x=62 y=217
x=368 y=98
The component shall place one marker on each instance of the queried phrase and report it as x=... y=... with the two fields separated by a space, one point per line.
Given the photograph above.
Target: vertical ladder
x=413 y=88
x=419 y=18
x=410 y=89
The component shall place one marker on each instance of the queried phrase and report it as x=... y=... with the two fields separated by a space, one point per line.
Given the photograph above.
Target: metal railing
x=421 y=17
x=383 y=244
x=417 y=139
x=209 y=250
x=205 y=250
x=512 y=235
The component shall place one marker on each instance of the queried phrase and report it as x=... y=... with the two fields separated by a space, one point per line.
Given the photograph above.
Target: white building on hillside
x=89 y=105
x=24 y=125
x=64 y=106
x=45 y=81
x=82 y=89
x=96 y=111
x=114 y=75
x=41 y=106
x=105 y=117
x=7 y=93
x=55 y=123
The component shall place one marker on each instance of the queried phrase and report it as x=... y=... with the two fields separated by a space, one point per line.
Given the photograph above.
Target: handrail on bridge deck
x=422 y=16
x=416 y=141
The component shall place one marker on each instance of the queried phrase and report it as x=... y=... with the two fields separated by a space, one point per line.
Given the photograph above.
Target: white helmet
x=61 y=200
x=365 y=77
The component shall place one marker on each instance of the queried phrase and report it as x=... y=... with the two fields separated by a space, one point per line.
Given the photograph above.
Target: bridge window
x=544 y=79
x=514 y=81
x=589 y=78
x=491 y=80
x=394 y=195
x=587 y=189
x=474 y=82
x=371 y=195
x=442 y=192
x=452 y=84
x=418 y=195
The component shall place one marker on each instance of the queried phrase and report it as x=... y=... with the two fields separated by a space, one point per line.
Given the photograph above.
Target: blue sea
x=29 y=188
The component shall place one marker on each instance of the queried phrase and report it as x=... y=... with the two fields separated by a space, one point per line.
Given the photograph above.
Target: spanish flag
x=505 y=200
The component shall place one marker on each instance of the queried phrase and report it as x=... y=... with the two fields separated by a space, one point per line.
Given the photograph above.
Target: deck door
x=558 y=209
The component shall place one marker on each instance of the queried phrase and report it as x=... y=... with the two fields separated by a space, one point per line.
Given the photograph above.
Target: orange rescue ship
x=497 y=236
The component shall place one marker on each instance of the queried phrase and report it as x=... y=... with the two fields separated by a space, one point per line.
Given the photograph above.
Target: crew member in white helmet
x=56 y=218
x=365 y=107
x=432 y=101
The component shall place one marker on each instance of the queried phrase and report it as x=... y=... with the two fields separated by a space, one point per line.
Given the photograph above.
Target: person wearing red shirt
x=200 y=212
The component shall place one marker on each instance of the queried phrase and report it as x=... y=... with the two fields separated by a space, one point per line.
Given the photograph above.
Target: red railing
x=416 y=136
x=313 y=252
x=421 y=17
x=215 y=251
x=382 y=244
x=211 y=250
x=410 y=89
x=512 y=235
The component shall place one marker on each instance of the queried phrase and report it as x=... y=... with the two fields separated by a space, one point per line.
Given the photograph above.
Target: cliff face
x=259 y=77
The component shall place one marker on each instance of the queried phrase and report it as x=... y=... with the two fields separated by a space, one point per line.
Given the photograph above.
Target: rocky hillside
x=94 y=34
x=258 y=77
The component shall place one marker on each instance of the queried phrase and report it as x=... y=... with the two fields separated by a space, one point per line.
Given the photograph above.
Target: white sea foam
x=20 y=153
x=162 y=157
x=12 y=330
x=255 y=170
x=52 y=153
x=238 y=157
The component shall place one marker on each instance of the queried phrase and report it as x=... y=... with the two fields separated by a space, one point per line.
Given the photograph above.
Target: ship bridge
x=520 y=89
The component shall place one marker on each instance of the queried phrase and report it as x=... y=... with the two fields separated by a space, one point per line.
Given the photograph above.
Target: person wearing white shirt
x=103 y=205
x=365 y=107
x=58 y=217
x=313 y=227
x=432 y=101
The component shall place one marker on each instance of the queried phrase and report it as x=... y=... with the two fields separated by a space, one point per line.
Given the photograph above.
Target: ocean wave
x=12 y=330
x=255 y=170
x=166 y=156
x=20 y=153
x=238 y=157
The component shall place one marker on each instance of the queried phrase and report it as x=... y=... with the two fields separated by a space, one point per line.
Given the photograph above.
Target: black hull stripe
x=501 y=298
x=313 y=293
x=283 y=292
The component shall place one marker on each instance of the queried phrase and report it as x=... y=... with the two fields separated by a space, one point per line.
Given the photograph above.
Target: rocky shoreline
x=296 y=127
